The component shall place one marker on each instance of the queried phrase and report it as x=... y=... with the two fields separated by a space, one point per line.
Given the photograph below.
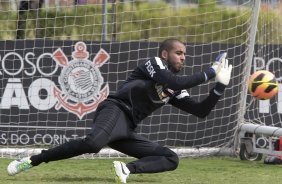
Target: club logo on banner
x=80 y=80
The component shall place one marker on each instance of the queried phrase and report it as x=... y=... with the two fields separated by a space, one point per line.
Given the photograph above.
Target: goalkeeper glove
x=224 y=72
x=219 y=59
x=216 y=66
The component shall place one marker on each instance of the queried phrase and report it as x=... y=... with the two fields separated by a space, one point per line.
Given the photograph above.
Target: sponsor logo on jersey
x=150 y=68
x=164 y=93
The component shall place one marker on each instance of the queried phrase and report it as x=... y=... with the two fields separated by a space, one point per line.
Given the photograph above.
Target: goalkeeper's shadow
x=82 y=179
x=97 y=179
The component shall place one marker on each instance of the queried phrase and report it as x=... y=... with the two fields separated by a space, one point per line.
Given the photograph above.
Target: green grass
x=190 y=171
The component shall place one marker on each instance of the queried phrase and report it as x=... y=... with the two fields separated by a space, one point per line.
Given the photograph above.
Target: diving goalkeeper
x=151 y=85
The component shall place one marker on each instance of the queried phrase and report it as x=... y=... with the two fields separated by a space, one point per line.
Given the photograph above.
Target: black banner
x=49 y=91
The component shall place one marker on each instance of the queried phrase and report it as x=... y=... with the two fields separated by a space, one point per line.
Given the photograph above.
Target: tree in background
x=25 y=6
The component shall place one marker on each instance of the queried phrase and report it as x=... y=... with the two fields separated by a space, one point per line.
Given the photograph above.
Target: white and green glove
x=223 y=73
x=219 y=59
x=215 y=68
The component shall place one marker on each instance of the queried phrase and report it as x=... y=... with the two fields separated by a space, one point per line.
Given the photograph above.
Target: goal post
x=83 y=43
x=260 y=130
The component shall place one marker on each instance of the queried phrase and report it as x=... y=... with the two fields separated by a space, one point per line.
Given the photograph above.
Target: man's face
x=176 y=57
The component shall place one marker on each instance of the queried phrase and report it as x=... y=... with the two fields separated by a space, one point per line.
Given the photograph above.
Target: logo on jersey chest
x=150 y=68
x=164 y=93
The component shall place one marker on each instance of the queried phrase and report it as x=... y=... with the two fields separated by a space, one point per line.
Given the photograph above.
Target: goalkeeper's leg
x=152 y=158
x=106 y=118
x=64 y=151
x=92 y=143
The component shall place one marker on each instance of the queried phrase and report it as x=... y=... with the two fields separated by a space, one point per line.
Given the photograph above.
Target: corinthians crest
x=80 y=80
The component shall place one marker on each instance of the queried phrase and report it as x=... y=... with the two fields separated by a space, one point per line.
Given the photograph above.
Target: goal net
x=267 y=56
x=59 y=60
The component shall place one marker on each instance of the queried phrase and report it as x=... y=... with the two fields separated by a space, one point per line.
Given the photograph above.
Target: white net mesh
x=267 y=56
x=39 y=52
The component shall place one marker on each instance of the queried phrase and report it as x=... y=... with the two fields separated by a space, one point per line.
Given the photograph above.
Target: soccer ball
x=263 y=85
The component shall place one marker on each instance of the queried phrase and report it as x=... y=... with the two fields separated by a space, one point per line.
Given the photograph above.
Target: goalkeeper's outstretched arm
x=201 y=109
x=157 y=70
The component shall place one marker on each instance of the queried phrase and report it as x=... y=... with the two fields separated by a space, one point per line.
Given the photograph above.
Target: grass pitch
x=190 y=171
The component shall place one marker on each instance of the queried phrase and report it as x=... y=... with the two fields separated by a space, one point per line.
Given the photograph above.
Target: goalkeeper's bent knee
x=172 y=157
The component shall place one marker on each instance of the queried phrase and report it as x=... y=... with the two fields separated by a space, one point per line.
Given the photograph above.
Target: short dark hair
x=167 y=45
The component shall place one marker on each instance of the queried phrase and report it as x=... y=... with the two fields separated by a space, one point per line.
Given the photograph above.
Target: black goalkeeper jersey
x=152 y=85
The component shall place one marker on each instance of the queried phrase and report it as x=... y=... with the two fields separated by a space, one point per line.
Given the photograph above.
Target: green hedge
x=142 y=21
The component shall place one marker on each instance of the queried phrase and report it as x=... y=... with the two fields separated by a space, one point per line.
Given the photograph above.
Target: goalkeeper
x=151 y=85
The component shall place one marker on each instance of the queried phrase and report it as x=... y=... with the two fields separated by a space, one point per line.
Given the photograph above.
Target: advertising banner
x=49 y=90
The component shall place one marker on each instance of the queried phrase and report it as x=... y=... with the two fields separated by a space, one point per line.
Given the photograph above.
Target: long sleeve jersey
x=152 y=85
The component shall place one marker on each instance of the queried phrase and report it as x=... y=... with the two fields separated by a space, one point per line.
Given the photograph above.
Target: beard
x=173 y=68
